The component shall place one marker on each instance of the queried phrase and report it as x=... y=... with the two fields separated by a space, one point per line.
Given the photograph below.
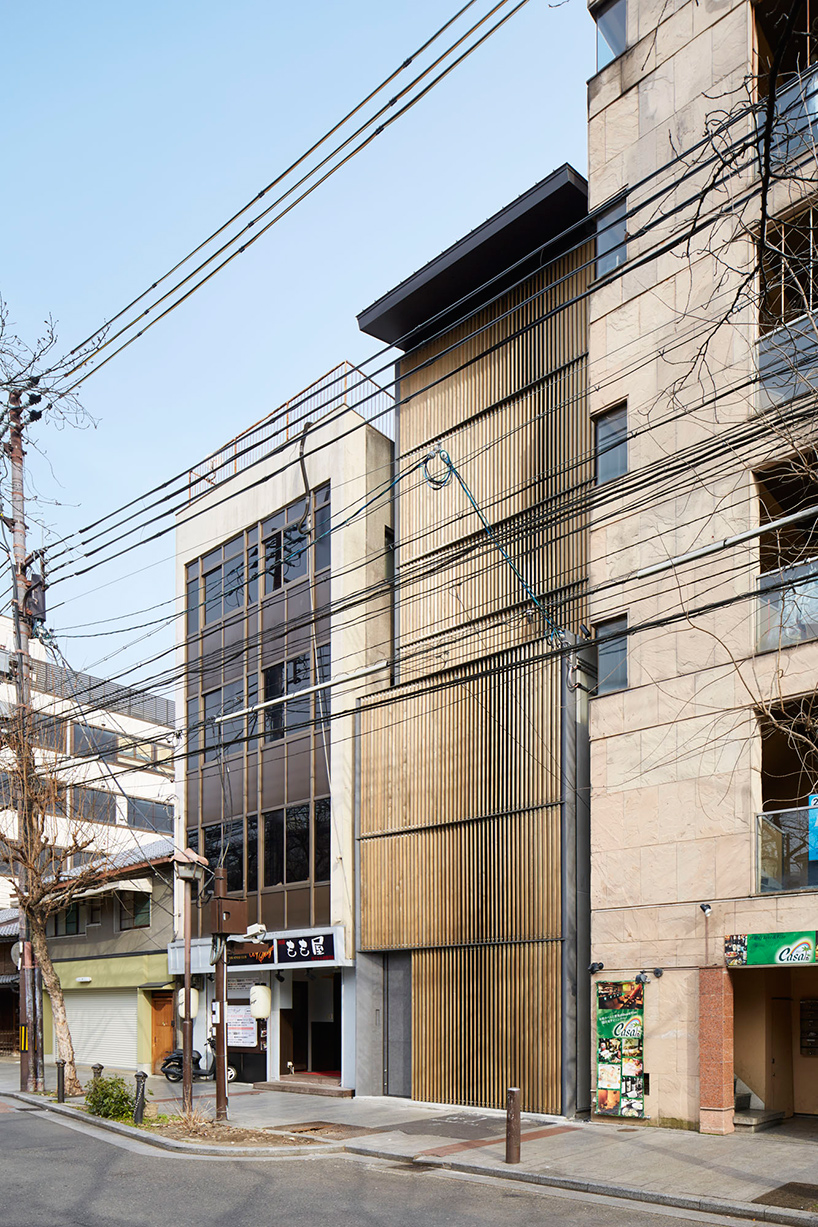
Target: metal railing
x=344 y=386
x=783 y=846
x=787 y=607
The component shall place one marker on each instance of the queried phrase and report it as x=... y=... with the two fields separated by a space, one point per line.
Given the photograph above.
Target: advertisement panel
x=769 y=949
x=620 y=1029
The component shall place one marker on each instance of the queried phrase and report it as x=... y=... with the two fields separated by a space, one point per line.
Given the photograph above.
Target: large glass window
x=93 y=805
x=150 y=815
x=67 y=923
x=94 y=742
x=224 y=845
x=611 y=444
x=611 y=31
x=298 y=843
x=213 y=595
x=323 y=839
x=297 y=711
x=274 y=848
x=274 y=689
x=612 y=655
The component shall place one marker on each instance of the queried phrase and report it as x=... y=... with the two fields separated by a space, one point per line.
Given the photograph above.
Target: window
x=611 y=238
x=611 y=31
x=48 y=732
x=298 y=843
x=234 y=575
x=788 y=555
x=274 y=716
x=612 y=655
x=150 y=815
x=93 y=805
x=67 y=923
x=800 y=51
x=322 y=529
x=213 y=595
x=93 y=742
x=789 y=280
x=141 y=752
x=274 y=848
x=227 y=735
x=224 y=844
x=192 y=597
x=297 y=711
x=323 y=839
x=134 y=909
x=611 y=444
x=94 y=913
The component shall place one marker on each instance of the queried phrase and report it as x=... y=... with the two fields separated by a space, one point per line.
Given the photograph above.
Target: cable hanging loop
x=555 y=633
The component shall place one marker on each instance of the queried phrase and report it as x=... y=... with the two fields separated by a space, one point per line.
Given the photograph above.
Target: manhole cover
x=791 y=1197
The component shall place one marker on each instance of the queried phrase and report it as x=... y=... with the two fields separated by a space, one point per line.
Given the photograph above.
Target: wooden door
x=781 y=1093
x=162 y=1031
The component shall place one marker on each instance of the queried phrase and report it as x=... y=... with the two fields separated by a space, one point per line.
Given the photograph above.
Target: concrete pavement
x=641 y=1162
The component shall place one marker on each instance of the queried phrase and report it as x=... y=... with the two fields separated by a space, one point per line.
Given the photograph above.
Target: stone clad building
x=704 y=559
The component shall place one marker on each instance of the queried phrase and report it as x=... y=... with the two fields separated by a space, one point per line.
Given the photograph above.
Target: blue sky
x=133 y=131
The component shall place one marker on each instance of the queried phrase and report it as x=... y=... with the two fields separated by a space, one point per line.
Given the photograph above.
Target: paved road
x=59 y=1175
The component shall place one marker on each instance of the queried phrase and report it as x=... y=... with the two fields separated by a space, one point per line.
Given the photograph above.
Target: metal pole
x=60 y=1081
x=187 y=1021
x=513 y=1124
x=220 y=1028
x=139 y=1102
x=22 y=680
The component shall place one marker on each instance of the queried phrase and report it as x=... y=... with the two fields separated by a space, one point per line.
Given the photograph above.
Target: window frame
x=598 y=12
x=604 y=631
x=611 y=450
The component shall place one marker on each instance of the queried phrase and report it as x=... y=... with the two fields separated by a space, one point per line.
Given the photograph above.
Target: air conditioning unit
x=5 y=663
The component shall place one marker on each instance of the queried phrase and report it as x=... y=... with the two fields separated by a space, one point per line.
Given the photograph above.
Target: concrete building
x=473 y=820
x=702 y=563
x=282 y=560
x=110 y=751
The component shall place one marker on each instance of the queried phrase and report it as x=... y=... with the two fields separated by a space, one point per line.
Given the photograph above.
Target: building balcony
x=787 y=607
x=783 y=851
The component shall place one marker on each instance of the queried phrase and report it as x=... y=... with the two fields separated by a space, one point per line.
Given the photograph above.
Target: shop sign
x=620 y=1025
x=312 y=948
x=769 y=949
x=241 y=1027
x=251 y=955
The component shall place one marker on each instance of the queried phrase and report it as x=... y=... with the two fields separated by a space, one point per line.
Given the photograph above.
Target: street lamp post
x=187 y=872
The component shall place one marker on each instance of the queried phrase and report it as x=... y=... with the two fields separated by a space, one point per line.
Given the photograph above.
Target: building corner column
x=716 y=1093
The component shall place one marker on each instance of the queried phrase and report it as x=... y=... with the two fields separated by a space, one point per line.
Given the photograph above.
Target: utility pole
x=31 y=1047
x=220 y=874
x=187 y=1021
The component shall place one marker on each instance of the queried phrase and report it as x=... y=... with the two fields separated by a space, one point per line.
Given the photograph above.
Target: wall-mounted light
x=595 y=967
x=311 y=975
x=83 y=979
x=706 y=908
x=279 y=977
x=658 y=973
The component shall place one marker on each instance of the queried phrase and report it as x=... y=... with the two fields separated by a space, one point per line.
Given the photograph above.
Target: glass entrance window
x=611 y=31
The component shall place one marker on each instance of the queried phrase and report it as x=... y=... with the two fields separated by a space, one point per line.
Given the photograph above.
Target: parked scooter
x=172 y=1066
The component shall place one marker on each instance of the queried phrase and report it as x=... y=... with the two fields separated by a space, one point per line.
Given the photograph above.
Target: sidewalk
x=616 y=1156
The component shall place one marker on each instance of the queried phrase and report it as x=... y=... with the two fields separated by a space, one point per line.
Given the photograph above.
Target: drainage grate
x=791 y=1197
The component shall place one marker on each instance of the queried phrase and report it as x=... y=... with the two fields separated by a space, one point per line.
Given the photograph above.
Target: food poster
x=619 y=1057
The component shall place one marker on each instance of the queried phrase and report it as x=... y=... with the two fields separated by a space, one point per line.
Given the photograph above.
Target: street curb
x=706 y=1205
x=171 y=1144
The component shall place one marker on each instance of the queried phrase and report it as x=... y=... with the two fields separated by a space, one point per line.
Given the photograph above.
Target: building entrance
x=310 y=1027
x=775 y=1054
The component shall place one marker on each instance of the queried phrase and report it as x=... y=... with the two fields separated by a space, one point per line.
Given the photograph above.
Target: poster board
x=242 y=1028
x=620 y=1075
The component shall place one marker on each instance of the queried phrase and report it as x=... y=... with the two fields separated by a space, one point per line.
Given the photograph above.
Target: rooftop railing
x=345 y=386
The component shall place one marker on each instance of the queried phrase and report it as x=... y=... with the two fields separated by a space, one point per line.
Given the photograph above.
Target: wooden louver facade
x=463 y=791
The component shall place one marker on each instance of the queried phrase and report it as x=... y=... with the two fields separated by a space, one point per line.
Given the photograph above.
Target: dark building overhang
x=433 y=297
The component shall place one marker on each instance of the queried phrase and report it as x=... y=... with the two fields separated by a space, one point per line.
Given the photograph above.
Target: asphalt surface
x=54 y=1174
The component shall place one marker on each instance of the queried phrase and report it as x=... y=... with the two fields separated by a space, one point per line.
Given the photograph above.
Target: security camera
x=642 y=978
x=256 y=933
x=595 y=967
x=706 y=908
x=658 y=973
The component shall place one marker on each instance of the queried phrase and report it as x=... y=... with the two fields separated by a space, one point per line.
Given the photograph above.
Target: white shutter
x=103 y=1026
